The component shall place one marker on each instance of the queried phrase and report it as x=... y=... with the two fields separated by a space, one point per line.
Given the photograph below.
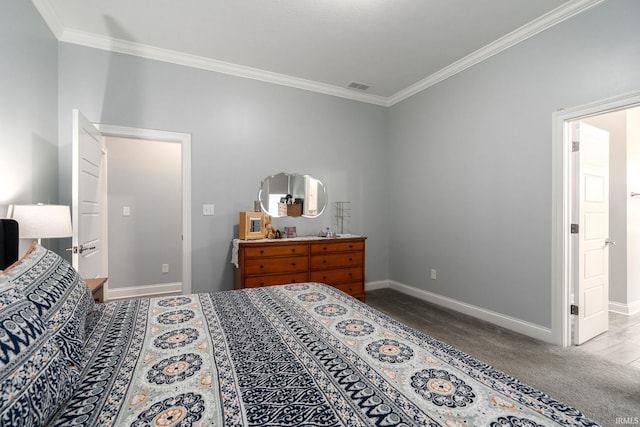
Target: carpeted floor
x=605 y=391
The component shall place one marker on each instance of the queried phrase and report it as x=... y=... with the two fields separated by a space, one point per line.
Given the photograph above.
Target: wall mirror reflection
x=304 y=189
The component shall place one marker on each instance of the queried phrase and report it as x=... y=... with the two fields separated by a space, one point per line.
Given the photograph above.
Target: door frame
x=184 y=139
x=561 y=254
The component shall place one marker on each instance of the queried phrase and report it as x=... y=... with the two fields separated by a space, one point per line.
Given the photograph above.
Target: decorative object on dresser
x=338 y=262
x=252 y=225
x=343 y=214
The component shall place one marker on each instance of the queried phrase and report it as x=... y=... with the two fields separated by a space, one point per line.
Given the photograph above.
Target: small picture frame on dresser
x=290 y=232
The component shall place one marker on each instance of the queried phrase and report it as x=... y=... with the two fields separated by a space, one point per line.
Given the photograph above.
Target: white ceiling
x=397 y=47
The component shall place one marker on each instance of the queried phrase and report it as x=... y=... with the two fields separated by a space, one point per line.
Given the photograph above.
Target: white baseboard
x=626 y=309
x=517 y=325
x=144 y=291
x=372 y=286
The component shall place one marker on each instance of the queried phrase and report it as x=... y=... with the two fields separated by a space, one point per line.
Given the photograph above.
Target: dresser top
x=289 y=240
x=300 y=238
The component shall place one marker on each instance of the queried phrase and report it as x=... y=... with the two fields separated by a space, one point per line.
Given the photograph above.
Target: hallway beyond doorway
x=621 y=343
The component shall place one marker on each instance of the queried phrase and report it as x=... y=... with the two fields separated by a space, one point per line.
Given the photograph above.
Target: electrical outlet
x=434 y=274
x=165 y=268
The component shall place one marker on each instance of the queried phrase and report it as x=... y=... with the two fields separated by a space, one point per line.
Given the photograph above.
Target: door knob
x=610 y=242
x=80 y=249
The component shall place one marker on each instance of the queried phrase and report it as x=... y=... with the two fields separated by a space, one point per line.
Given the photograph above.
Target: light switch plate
x=207 y=209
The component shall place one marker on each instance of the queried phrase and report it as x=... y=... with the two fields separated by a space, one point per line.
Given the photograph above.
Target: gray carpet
x=605 y=391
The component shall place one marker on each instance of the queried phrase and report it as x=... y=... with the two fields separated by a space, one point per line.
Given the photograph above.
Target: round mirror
x=292 y=194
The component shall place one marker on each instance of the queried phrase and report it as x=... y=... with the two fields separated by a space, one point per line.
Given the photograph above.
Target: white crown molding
x=171 y=56
x=50 y=16
x=556 y=16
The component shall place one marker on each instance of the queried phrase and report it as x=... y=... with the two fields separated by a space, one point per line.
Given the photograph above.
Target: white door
x=591 y=279
x=86 y=206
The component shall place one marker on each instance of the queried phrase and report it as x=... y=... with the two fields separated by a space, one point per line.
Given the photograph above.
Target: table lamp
x=42 y=221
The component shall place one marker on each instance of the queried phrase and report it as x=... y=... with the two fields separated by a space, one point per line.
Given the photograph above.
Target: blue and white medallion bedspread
x=293 y=355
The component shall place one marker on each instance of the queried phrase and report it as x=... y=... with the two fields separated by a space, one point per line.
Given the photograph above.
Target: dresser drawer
x=276 y=265
x=275 y=279
x=353 y=289
x=337 y=275
x=275 y=250
x=354 y=259
x=332 y=246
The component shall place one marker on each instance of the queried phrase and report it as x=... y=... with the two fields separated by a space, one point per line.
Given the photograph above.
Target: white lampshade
x=42 y=221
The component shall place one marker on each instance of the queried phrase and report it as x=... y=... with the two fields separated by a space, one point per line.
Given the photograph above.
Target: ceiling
x=396 y=47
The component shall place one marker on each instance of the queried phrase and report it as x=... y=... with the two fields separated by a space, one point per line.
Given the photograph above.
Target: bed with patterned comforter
x=292 y=355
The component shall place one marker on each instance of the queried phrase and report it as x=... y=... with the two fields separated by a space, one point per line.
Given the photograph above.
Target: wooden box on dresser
x=335 y=261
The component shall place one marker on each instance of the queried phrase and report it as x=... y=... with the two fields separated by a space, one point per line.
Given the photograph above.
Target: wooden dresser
x=338 y=262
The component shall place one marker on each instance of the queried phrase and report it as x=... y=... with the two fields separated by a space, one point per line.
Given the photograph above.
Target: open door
x=591 y=243
x=87 y=210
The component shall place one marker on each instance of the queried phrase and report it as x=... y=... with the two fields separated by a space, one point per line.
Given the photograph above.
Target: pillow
x=35 y=379
x=60 y=297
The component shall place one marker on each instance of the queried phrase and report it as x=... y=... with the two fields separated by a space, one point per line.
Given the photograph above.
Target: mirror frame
x=264 y=200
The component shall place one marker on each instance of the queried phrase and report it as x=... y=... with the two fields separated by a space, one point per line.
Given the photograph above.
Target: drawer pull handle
x=324 y=261
x=261 y=251
x=324 y=248
x=293 y=249
x=261 y=267
x=350 y=246
x=293 y=281
x=350 y=274
x=324 y=277
x=350 y=259
x=261 y=284
x=293 y=264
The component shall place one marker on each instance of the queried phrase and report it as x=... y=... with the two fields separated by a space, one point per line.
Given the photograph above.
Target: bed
x=302 y=354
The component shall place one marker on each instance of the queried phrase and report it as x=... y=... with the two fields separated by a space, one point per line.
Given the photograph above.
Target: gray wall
x=242 y=131
x=456 y=178
x=29 y=107
x=146 y=177
x=471 y=161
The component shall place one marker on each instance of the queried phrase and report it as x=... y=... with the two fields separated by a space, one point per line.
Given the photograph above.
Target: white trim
x=145 y=291
x=48 y=13
x=554 y=17
x=626 y=309
x=560 y=209
x=184 y=139
x=372 y=286
x=203 y=63
x=104 y=223
x=507 y=322
x=546 y=21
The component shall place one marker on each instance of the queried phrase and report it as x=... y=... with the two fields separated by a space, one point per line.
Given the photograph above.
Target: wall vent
x=359 y=86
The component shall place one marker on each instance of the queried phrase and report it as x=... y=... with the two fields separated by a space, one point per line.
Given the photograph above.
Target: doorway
x=625 y=282
x=148 y=204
